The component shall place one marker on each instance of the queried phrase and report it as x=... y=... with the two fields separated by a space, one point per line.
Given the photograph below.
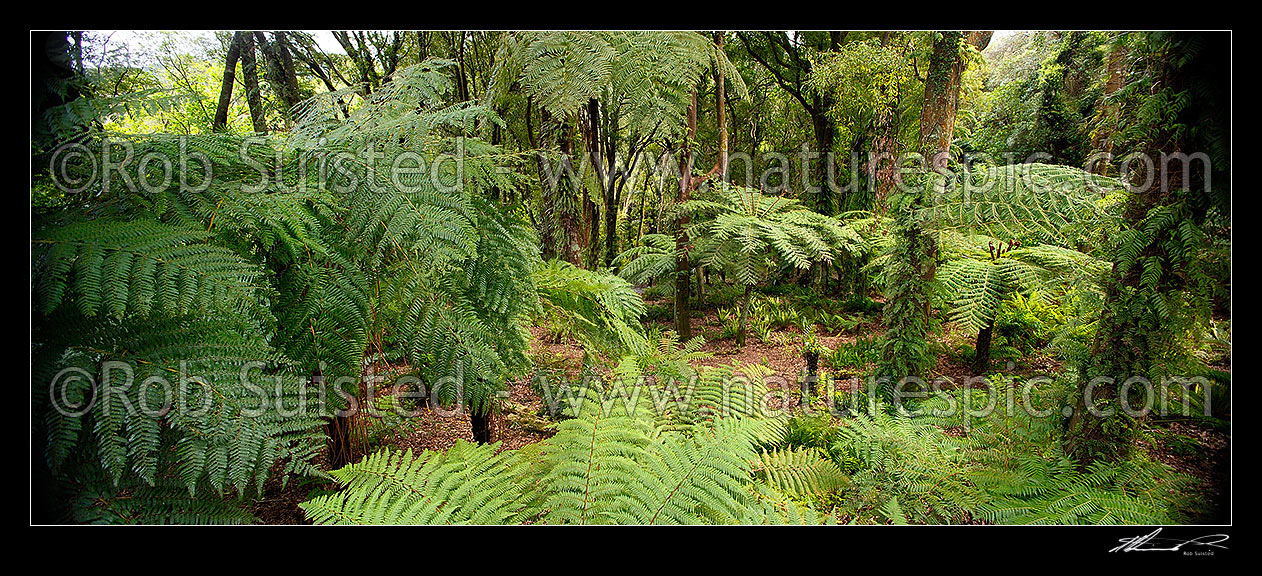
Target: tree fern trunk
x=339 y=430
x=740 y=331
x=812 y=373
x=482 y=427
x=981 y=360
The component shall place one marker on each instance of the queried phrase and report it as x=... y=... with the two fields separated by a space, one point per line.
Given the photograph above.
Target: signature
x=1151 y=543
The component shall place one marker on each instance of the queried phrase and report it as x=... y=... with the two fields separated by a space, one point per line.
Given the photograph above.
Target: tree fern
x=609 y=463
x=651 y=261
x=1029 y=202
x=801 y=471
x=745 y=231
x=249 y=254
x=603 y=310
x=467 y=484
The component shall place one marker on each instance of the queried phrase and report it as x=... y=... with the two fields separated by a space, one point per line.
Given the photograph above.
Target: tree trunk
x=225 y=91
x=462 y=83
x=1101 y=138
x=482 y=427
x=250 y=75
x=280 y=71
x=569 y=216
x=908 y=311
x=740 y=330
x=981 y=357
x=720 y=107
x=547 y=215
x=826 y=200
x=683 y=320
x=593 y=137
x=883 y=163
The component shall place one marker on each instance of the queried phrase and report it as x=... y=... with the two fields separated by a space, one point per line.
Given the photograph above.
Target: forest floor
x=1190 y=447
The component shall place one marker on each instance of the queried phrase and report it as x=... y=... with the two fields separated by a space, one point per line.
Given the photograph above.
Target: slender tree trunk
x=720 y=107
x=250 y=75
x=422 y=46
x=639 y=232
x=591 y=222
x=683 y=320
x=593 y=138
x=547 y=213
x=825 y=134
x=229 y=78
x=740 y=330
x=462 y=83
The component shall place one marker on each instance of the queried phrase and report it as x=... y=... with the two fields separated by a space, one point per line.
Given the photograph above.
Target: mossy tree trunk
x=1131 y=336
x=683 y=275
x=907 y=312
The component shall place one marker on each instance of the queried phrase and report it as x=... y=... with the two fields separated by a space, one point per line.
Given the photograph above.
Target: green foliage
x=602 y=310
x=1001 y=465
x=607 y=464
x=1031 y=203
x=853 y=356
x=911 y=461
x=654 y=74
x=979 y=285
x=239 y=271
x=1043 y=97
x=652 y=261
x=467 y=484
x=742 y=230
x=800 y=471
x=810 y=432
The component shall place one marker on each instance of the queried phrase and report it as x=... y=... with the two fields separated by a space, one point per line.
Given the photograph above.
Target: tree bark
x=547 y=216
x=225 y=91
x=882 y=167
x=250 y=76
x=483 y=427
x=1101 y=138
x=571 y=217
x=593 y=139
x=280 y=70
x=981 y=357
x=683 y=320
x=740 y=330
x=720 y=107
